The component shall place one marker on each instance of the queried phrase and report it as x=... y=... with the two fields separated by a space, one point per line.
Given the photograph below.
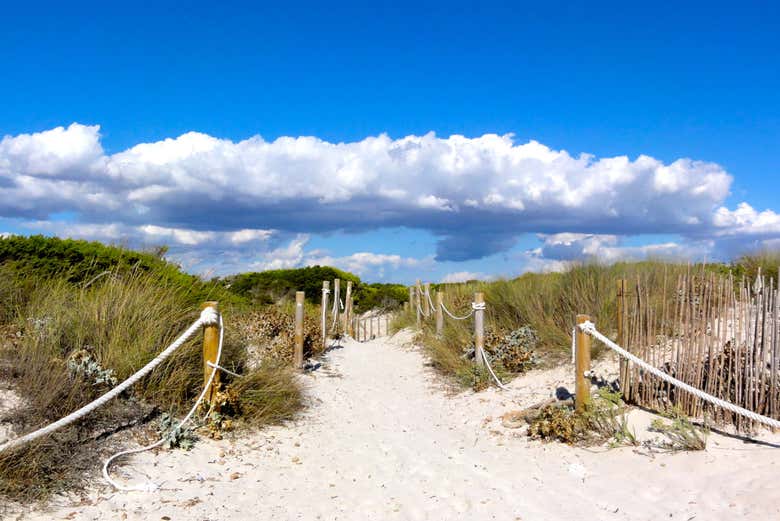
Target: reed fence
x=710 y=331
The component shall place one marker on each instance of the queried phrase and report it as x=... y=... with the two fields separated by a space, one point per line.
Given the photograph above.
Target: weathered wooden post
x=625 y=384
x=419 y=293
x=582 y=367
x=439 y=313
x=347 y=310
x=387 y=325
x=479 y=328
x=427 y=299
x=210 y=348
x=336 y=303
x=324 y=325
x=298 y=353
x=370 y=327
x=417 y=308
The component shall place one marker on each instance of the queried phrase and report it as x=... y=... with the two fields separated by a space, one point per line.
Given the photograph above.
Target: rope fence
x=589 y=328
x=210 y=320
x=580 y=354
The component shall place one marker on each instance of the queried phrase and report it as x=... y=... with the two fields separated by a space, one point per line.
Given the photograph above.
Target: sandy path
x=382 y=440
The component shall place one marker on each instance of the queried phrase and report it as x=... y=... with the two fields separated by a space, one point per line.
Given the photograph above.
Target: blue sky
x=697 y=81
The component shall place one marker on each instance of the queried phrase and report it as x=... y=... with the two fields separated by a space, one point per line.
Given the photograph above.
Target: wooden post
x=387 y=325
x=416 y=305
x=625 y=385
x=427 y=299
x=479 y=330
x=582 y=366
x=324 y=325
x=336 y=300
x=347 y=310
x=370 y=328
x=439 y=313
x=210 y=348
x=419 y=294
x=298 y=353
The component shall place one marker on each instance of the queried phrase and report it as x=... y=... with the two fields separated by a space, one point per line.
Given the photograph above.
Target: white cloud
x=485 y=183
x=149 y=234
x=462 y=276
x=363 y=262
x=745 y=220
x=566 y=247
x=477 y=195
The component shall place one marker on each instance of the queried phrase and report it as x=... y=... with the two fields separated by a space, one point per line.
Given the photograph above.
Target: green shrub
x=273 y=286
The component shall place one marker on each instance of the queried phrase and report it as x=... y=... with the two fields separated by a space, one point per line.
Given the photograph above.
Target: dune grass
x=546 y=302
x=73 y=342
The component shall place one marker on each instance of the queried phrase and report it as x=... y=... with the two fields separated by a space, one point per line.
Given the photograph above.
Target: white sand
x=383 y=440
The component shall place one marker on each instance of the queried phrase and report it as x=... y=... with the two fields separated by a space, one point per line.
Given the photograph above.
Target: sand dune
x=383 y=439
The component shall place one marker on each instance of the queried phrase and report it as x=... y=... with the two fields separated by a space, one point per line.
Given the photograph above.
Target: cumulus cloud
x=560 y=248
x=462 y=276
x=294 y=255
x=477 y=195
x=149 y=234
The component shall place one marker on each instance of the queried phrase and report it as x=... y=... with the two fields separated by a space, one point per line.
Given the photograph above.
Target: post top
x=479 y=296
x=583 y=318
x=299 y=296
x=326 y=284
x=210 y=304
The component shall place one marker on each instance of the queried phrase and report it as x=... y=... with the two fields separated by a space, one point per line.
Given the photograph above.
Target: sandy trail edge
x=382 y=440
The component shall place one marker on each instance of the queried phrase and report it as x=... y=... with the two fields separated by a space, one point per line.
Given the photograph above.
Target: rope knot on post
x=209 y=316
x=587 y=327
x=478 y=306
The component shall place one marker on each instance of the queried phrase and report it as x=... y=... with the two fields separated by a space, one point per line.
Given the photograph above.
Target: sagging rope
x=149 y=486
x=590 y=329
x=423 y=313
x=208 y=316
x=453 y=316
x=430 y=302
x=490 y=369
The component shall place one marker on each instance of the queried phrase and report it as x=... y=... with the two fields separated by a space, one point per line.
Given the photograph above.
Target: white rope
x=590 y=329
x=453 y=316
x=476 y=306
x=223 y=369
x=325 y=291
x=490 y=369
x=207 y=316
x=573 y=344
x=421 y=311
x=149 y=486
x=341 y=303
x=430 y=302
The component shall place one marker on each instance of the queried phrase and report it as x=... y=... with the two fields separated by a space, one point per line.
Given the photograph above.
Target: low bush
x=603 y=421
